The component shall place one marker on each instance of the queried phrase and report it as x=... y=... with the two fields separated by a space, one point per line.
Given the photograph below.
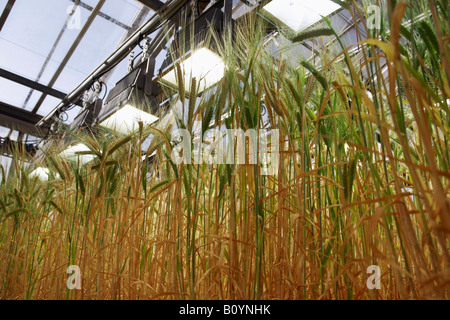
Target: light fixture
x=120 y=112
x=198 y=57
x=126 y=119
x=298 y=15
x=91 y=109
x=203 y=65
x=42 y=174
x=73 y=154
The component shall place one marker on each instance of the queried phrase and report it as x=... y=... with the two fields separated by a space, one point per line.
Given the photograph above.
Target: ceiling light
x=203 y=65
x=298 y=15
x=73 y=154
x=87 y=115
x=42 y=174
x=120 y=112
x=197 y=56
x=126 y=119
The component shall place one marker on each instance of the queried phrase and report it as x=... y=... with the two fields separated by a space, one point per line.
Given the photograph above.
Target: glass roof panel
x=92 y=3
x=338 y=22
x=94 y=48
x=4 y=132
x=2 y=5
x=13 y=55
x=12 y=93
x=31 y=32
x=5 y=162
x=48 y=105
x=35 y=49
x=123 y=10
x=38 y=35
x=71 y=74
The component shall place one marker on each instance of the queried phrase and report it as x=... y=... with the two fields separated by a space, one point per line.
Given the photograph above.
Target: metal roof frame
x=24 y=121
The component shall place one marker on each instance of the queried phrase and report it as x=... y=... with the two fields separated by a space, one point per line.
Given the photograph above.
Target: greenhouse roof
x=50 y=47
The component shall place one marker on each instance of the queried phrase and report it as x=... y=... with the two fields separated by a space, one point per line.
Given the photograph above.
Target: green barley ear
x=3 y=176
x=172 y=164
x=316 y=74
x=351 y=177
x=429 y=36
x=57 y=167
x=271 y=100
x=55 y=206
x=159 y=185
x=19 y=199
x=181 y=89
x=79 y=183
x=222 y=100
x=222 y=184
x=192 y=102
x=345 y=183
x=310 y=34
x=207 y=116
x=118 y=144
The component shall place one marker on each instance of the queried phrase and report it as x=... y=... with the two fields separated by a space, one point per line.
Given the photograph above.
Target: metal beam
x=155 y=5
x=20 y=120
x=31 y=84
x=103 y=15
x=52 y=51
x=228 y=10
x=6 y=13
x=72 y=49
x=169 y=10
x=135 y=24
x=10 y=148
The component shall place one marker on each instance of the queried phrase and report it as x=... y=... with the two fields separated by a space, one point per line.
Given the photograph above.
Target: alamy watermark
x=74 y=281
x=374 y=15
x=374 y=281
x=233 y=146
x=74 y=19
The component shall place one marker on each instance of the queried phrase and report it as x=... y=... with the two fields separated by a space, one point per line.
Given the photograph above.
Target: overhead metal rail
x=20 y=120
x=6 y=13
x=102 y=15
x=32 y=84
x=155 y=5
x=167 y=12
x=71 y=51
x=26 y=122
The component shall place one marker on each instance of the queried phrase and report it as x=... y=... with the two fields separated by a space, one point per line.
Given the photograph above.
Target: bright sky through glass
x=36 y=38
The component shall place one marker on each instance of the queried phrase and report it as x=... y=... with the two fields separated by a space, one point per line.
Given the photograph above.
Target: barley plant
x=363 y=180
